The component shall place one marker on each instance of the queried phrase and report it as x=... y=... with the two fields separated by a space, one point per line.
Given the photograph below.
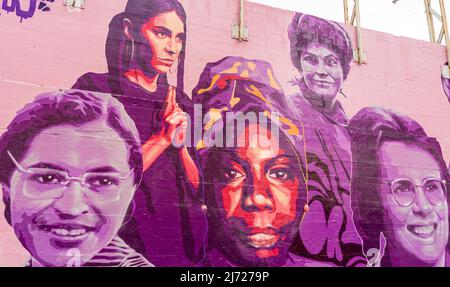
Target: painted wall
x=52 y=49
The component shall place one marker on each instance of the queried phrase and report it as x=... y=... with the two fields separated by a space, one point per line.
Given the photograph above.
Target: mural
x=19 y=8
x=128 y=168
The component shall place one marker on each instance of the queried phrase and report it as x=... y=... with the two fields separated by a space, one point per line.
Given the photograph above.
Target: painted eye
x=233 y=174
x=101 y=181
x=161 y=34
x=180 y=39
x=49 y=178
x=311 y=60
x=280 y=174
x=403 y=186
x=332 y=62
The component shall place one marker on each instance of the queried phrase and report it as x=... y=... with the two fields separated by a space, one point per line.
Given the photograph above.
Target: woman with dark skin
x=144 y=44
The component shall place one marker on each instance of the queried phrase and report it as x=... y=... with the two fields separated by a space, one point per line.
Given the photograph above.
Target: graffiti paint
x=11 y=6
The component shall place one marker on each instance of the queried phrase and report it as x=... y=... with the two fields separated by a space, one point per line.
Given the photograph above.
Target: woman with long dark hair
x=145 y=43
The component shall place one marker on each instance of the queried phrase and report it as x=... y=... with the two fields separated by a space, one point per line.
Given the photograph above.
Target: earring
x=306 y=208
x=127 y=51
x=130 y=214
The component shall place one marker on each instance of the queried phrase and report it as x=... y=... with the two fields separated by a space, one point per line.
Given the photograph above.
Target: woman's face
x=421 y=229
x=258 y=190
x=321 y=70
x=165 y=34
x=79 y=219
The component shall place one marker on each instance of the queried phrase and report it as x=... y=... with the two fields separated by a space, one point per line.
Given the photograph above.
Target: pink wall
x=51 y=50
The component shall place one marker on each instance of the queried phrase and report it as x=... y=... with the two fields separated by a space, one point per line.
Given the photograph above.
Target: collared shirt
x=327 y=231
x=116 y=254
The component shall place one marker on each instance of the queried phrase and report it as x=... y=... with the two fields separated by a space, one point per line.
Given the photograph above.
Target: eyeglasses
x=405 y=191
x=47 y=183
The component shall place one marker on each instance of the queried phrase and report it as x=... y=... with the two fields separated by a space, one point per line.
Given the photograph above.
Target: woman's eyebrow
x=103 y=169
x=278 y=158
x=47 y=165
x=164 y=29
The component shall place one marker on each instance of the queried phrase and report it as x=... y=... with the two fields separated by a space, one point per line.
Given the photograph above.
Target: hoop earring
x=132 y=51
x=130 y=215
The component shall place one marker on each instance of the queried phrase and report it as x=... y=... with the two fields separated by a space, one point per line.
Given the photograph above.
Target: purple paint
x=64 y=189
x=397 y=190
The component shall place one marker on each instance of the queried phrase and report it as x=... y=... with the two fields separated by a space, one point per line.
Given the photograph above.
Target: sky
x=405 y=18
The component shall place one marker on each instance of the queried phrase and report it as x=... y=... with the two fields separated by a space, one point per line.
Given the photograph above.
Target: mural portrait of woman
x=254 y=185
x=145 y=43
x=68 y=193
x=322 y=52
x=399 y=189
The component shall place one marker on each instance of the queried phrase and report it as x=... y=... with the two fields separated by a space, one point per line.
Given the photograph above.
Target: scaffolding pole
x=433 y=15
x=355 y=20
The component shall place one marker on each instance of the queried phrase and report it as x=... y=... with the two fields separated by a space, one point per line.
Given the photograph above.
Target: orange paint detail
x=256 y=92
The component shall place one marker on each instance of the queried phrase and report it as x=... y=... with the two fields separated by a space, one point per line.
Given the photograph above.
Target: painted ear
x=127 y=25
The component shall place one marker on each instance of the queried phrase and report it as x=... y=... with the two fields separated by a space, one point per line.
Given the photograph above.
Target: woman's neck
x=319 y=103
x=139 y=78
x=394 y=256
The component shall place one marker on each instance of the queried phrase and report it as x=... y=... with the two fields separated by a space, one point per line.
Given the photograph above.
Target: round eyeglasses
x=405 y=191
x=48 y=183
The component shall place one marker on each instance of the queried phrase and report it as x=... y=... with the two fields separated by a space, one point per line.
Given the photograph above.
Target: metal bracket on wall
x=240 y=31
x=77 y=4
x=359 y=55
x=444 y=32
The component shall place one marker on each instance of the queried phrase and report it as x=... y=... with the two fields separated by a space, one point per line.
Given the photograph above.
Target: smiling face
x=165 y=34
x=257 y=190
x=322 y=71
x=50 y=227
x=421 y=229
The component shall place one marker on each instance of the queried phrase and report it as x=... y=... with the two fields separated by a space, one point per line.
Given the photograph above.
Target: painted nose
x=72 y=202
x=258 y=196
x=171 y=46
x=422 y=206
x=321 y=70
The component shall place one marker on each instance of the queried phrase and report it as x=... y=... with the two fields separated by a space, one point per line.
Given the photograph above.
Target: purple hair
x=305 y=29
x=369 y=129
x=73 y=107
x=119 y=49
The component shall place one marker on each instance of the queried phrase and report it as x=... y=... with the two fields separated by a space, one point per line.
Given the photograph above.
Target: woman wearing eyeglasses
x=399 y=189
x=69 y=166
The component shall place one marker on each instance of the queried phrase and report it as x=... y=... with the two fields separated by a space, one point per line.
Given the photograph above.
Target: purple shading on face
x=399 y=188
x=70 y=163
x=148 y=36
x=322 y=52
x=255 y=193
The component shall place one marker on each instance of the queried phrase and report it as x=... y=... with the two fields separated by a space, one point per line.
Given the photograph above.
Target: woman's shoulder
x=93 y=82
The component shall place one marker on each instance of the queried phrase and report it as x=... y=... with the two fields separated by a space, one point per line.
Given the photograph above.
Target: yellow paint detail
x=214 y=116
x=245 y=74
x=251 y=66
x=213 y=82
x=293 y=129
x=256 y=92
x=200 y=144
x=273 y=82
x=232 y=70
x=234 y=100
